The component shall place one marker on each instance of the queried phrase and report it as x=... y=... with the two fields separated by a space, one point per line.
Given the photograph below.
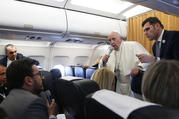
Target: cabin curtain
x=135 y=31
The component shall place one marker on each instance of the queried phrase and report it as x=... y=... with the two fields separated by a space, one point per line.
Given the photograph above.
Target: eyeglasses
x=12 y=52
x=40 y=74
x=1 y=74
x=147 y=29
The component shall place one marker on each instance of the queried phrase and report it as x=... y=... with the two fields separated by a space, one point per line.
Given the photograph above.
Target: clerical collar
x=161 y=35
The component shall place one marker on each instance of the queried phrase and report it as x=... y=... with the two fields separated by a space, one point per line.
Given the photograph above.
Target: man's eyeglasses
x=147 y=29
x=1 y=74
x=12 y=52
x=40 y=74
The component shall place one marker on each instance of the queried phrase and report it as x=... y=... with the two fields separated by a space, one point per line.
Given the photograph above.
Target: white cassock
x=122 y=61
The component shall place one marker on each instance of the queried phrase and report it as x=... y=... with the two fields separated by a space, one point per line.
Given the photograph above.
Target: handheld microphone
x=48 y=96
x=110 y=50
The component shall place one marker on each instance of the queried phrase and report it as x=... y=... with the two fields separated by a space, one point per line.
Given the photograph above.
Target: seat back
x=154 y=112
x=49 y=81
x=79 y=71
x=89 y=72
x=71 y=95
x=106 y=104
x=136 y=82
x=95 y=110
x=69 y=71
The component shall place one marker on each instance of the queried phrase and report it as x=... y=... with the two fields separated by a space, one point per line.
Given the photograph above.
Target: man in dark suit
x=3 y=88
x=25 y=84
x=166 y=44
x=11 y=55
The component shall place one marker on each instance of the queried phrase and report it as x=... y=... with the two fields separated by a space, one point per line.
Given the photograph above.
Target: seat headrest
x=69 y=71
x=79 y=71
x=89 y=72
x=56 y=73
x=71 y=94
x=86 y=86
x=47 y=79
x=154 y=112
x=74 y=91
x=119 y=104
x=95 y=110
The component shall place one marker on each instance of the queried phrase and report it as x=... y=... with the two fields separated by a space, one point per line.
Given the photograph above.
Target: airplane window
x=63 y=60
x=81 y=60
x=41 y=60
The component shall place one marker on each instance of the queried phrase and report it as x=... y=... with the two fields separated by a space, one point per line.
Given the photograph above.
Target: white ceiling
x=118 y=9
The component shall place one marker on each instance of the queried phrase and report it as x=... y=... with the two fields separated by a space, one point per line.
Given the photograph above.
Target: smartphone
x=48 y=96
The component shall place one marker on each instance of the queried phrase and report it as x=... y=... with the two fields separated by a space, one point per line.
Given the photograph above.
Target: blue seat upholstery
x=69 y=71
x=79 y=71
x=89 y=72
x=56 y=74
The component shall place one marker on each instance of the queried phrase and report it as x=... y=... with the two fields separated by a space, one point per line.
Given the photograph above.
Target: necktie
x=158 y=49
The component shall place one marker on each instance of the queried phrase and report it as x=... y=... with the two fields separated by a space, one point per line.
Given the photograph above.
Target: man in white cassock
x=122 y=59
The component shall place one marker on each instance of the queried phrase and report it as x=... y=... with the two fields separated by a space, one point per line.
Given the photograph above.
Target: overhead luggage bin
x=32 y=19
x=92 y=26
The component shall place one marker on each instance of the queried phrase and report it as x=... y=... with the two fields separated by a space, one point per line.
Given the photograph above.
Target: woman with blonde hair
x=105 y=78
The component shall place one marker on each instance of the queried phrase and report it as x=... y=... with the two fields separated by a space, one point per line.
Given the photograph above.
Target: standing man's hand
x=135 y=71
x=144 y=58
x=105 y=59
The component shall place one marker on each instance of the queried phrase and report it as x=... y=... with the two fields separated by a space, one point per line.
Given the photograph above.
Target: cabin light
x=136 y=11
x=111 y=6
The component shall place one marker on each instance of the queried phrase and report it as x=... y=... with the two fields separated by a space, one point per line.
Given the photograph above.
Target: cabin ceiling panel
x=106 y=8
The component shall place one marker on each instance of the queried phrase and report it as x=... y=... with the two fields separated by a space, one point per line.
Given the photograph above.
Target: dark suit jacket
x=3 y=61
x=169 y=46
x=22 y=104
x=169 y=51
x=3 y=91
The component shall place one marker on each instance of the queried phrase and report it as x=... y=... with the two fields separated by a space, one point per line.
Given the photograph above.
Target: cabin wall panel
x=98 y=52
x=73 y=53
